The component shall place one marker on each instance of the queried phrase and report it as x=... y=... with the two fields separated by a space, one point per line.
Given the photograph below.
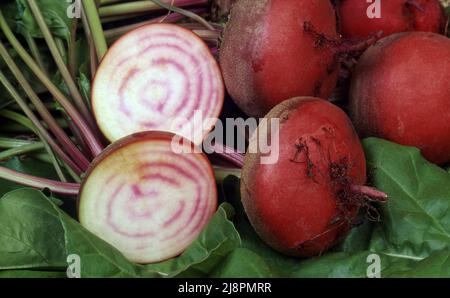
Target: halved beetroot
x=157 y=77
x=146 y=200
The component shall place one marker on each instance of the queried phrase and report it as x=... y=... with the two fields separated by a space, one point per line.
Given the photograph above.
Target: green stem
x=60 y=61
x=33 y=123
x=147 y=6
x=47 y=159
x=121 y=18
x=55 y=162
x=9 y=143
x=62 y=137
x=73 y=63
x=41 y=157
x=221 y=173
x=17 y=128
x=132 y=7
x=76 y=133
x=21 y=150
x=115 y=33
x=93 y=63
x=35 y=50
x=61 y=47
x=51 y=106
x=74 y=175
x=186 y=13
x=11 y=127
x=95 y=25
x=108 y=2
x=93 y=60
x=27 y=123
x=208 y=35
x=7 y=104
x=44 y=157
x=94 y=144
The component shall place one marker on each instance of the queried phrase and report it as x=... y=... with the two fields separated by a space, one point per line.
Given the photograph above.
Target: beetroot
x=396 y=16
x=306 y=201
x=146 y=200
x=278 y=49
x=157 y=77
x=400 y=91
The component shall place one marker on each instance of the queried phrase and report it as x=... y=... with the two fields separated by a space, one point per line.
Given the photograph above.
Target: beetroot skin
x=303 y=204
x=400 y=91
x=277 y=49
x=396 y=16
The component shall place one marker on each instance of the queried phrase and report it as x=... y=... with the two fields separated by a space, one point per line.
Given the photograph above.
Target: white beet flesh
x=145 y=200
x=157 y=77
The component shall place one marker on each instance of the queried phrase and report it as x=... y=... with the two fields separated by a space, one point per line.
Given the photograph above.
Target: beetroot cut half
x=145 y=199
x=157 y=77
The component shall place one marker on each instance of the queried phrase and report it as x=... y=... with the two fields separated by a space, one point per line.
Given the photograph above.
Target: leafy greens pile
x=412 y=239
x=38 y=232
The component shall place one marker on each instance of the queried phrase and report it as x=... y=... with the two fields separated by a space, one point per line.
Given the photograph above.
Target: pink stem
x=208 y=36
x=359 y=45
x=61 y=188
x=169 y=18
x=214 y=51
x=416 y=5
x=228 y=154
x=370 y=192
x=186 y=2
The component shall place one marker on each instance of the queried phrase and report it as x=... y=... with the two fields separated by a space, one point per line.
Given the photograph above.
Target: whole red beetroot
x=428 y=16
x=400 y=91
x=278 y=49
x=305 y=202
x=358 y=19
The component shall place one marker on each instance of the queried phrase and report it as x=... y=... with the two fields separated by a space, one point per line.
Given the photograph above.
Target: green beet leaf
x=35 y=235
x=55 y=14
x=411 y=240
x=416 y=219
x=29 y=166
x=31 y=234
